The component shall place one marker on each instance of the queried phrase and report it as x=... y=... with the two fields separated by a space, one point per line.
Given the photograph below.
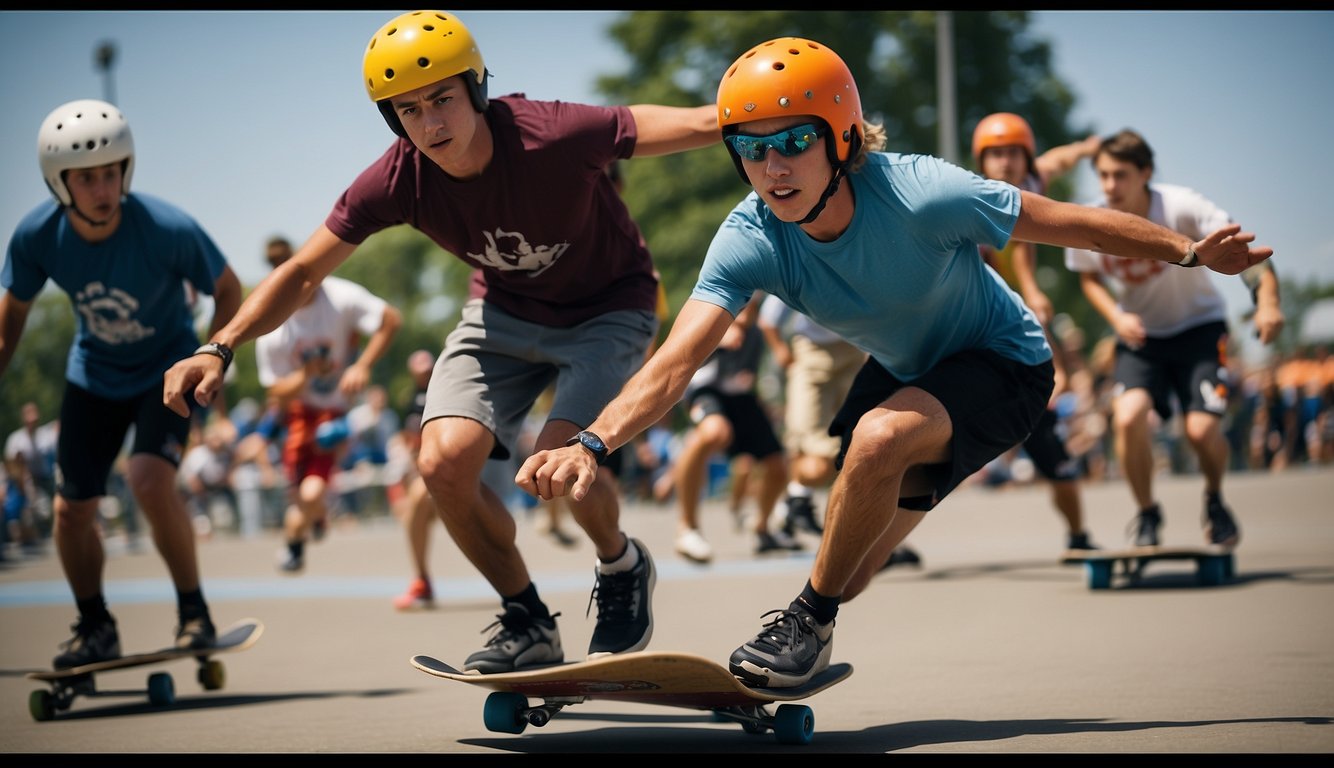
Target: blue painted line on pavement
x=301 y=587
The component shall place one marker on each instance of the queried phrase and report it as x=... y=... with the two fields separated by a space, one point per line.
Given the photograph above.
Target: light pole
x=105 y=57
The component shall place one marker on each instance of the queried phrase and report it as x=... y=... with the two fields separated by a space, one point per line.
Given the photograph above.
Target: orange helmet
x=1003 y=129
x=793 y=76
x=416 y=49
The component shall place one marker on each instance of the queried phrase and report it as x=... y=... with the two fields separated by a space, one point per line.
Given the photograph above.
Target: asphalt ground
x=991 y=646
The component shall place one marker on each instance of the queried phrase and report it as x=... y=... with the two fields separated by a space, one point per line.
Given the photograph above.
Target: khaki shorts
x=817 y=381
x=495 y=366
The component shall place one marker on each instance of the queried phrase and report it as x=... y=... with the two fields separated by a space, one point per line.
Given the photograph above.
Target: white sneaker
x=692 y=546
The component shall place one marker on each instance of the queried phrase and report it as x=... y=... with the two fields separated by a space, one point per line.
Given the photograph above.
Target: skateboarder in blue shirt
x=125 y=260
x=880 y=248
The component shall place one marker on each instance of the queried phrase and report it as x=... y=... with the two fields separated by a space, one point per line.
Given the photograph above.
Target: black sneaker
x=801 y=516
x=776 y=541
x=1145 y=526
x=902 y=555
x=1080 y=541
x=290 y=561
x=518 y=641
x=625 y=611
x=789 y=651
x=92 y=642
x=196 y=632
x=1219 y=527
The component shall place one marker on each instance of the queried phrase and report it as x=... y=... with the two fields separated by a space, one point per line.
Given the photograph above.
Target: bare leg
x=1134 y=444
x=79 y=544
x=710 y=436
x=153 y=482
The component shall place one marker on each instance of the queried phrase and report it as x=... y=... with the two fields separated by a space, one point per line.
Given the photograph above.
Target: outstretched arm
x=1227 y=250
x=358 y=375
x=273 y=301
x=664 y=130
x=1058 y=161
x=644 y=400
x=13 y=316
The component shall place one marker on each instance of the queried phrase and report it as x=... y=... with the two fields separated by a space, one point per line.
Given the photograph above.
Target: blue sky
x=255 y=121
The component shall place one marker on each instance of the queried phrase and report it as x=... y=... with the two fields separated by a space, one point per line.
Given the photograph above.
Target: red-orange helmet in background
x=1003 y=129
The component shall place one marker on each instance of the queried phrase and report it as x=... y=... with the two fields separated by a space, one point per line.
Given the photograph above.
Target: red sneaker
x=418 y=597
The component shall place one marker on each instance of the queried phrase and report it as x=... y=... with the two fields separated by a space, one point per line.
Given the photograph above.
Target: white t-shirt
x=340 y=312
x=1168 y=299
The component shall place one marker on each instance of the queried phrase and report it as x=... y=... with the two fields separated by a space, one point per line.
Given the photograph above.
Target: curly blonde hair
x=874 y=140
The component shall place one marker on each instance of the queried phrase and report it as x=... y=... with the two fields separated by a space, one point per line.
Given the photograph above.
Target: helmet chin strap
x=92 y=222
x=828 y=193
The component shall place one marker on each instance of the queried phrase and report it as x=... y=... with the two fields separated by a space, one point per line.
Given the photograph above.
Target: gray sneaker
x=518 y=641
x=625 y=607
x=1219 y=526
x=91 y=643
x=1145 y=526
x=788 y=652
x=196 y=632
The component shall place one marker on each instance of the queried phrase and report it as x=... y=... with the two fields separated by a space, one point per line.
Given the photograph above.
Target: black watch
x=217 y=350
x=593 y=443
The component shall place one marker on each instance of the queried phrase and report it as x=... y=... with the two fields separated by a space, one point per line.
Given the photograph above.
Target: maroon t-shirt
x=551 y=239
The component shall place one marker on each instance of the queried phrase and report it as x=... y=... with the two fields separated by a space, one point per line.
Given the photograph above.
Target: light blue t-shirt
x=905 y=282
x=129 y=291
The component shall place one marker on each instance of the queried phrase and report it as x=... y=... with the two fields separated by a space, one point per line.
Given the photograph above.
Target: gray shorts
x=495 y=366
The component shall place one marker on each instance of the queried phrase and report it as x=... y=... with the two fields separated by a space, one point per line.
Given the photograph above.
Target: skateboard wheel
x=794 y=724
x=1210 y=571
x=212 y=675
x=161 y=690
x=503 y=712
x=42 y=705
x=1099 y=573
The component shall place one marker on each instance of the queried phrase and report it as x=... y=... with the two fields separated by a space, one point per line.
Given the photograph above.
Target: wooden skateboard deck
x=68 y=684
x=645 y=677
x=1213 y=564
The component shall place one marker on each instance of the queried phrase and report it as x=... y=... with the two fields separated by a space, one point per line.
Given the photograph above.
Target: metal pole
x=105 y=58
x=947 y=133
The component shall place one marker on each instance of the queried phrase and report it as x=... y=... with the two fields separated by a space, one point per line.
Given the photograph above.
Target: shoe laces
x=784 y=632
x=614 y=594
x=1149 y=519
x=509 y=625
x=83 y=632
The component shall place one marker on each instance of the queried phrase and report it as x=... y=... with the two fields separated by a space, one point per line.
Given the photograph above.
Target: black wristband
x=221 y=351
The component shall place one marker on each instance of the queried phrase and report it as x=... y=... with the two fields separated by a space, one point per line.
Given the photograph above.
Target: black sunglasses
x=789 y=143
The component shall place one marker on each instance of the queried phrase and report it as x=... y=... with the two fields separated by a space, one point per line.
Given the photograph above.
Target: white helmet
x=83 y=134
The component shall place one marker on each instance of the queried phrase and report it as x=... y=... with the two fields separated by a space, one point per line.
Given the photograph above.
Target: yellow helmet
x=1003 y=129
x=793 y=76
x=416 y=49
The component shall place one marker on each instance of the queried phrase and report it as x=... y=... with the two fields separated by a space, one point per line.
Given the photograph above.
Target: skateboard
x=1213 y=564
x=69 y=684
x=645 y=677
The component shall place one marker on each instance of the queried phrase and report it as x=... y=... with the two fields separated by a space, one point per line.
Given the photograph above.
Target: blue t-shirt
x=904 y=283
x=129 y=291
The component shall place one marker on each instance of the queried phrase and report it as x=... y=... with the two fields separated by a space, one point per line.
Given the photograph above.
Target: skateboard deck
x=1214 y=565
x=644 y=677
x=68 y=684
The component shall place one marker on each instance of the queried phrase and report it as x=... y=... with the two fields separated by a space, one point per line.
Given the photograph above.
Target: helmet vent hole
x=90 y=144
x=389 y=74
x=391 y=32
x=423 y=62
x=428 y=27
x=779 y=66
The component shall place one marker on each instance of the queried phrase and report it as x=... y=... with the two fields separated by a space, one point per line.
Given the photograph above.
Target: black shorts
x=993 y=403
x=752 y=431
x=1191 y=365
x=1046 y=448
x=92 y=434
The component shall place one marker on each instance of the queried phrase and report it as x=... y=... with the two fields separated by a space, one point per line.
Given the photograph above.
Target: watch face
x=593 y=442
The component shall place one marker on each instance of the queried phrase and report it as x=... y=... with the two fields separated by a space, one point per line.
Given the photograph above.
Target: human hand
x=1269 y=322
x=567 y=471
x=1227 y=250
x=200 y=374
